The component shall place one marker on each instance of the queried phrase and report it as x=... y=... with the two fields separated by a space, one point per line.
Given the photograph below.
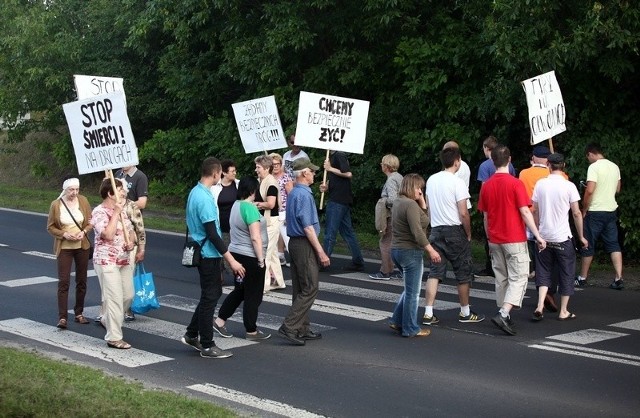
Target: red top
x=501 y=197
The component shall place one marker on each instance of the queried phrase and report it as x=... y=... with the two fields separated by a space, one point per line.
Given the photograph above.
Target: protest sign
x=101 y=133
x=546 y=109
x=91 y=85
x=259 y=125
x=332 y=122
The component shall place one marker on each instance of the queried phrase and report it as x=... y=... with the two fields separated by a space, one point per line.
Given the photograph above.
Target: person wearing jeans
x=410 y=222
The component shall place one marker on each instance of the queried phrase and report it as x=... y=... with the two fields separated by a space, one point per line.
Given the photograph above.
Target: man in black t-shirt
x=138 y=185
x=338 y=211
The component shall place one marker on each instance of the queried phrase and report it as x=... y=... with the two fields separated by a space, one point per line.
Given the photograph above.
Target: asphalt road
x=586 y=367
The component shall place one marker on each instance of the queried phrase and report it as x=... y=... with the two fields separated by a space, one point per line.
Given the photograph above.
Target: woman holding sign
x=111 y=257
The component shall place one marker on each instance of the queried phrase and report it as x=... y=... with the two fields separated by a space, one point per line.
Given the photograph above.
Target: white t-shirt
x=289 y=159
x=464 y=173
x=444 y=190
x=554 y=196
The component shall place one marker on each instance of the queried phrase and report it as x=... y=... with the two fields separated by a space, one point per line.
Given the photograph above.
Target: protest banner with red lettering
x=259 y=125
x=332 y=122
x=101 y=133
x=546 y=108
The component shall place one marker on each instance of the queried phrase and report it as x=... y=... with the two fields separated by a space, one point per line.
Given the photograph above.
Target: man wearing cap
x=553 y=197
x=307 y=254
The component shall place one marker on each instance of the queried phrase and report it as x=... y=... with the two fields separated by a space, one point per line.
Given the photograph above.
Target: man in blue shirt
x=203 y=223
x=307 y=254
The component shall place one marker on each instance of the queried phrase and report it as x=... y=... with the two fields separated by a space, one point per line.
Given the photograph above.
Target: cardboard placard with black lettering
x=92 y=85
x=259 y=125
x=101 y=133
x=332 y=122
x=547 y=113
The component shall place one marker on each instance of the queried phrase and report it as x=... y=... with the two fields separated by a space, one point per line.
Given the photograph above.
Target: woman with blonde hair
x=285 y=184
x=268 y=202
x=68 y=222
x=410 y=221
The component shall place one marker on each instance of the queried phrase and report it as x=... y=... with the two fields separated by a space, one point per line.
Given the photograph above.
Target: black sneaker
x=222 y=331
x=128 y=317
x=505 y=324
x=617 y=284
x=215 y=352
x=193 y=342
x=430 y=320
x=472 y=317
x=310 y=335
x=259 y=335
x=291 y=336
x=380 y=276
x=353 y=267
x=580 y=282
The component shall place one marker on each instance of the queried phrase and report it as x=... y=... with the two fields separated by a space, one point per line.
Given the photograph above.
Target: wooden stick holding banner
x=551 y=145
x=324 y=181
x=115 y=193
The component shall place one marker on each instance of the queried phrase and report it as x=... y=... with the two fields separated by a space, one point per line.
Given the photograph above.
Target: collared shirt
x=301 y=211
x=201 y=208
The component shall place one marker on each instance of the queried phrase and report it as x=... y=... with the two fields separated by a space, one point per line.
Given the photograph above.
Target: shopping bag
x=144 y=291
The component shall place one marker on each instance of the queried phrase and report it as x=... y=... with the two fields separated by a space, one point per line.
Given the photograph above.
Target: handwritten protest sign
x=546 y=109
x=259 y=124
x=332 y=122
x=101 y=133
x=91 y=85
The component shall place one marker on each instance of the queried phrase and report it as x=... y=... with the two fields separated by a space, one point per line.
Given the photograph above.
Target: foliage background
x=433 y=70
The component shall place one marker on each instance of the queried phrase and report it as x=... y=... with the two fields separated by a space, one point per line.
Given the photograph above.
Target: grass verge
x=33 y=386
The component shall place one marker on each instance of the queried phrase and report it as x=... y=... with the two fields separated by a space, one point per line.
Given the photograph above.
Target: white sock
x=581 y=278
x=504 y=313
x=465 y=310
x=428 y=311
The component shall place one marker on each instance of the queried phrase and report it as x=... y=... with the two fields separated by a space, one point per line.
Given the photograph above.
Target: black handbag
x=80 y=228
x=192 y=251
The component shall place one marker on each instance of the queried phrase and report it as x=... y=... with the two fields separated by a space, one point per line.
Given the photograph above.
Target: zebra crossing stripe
x=589 y=353
x=266 y=405
x=28 y=281
x=41 y=254
x=79 y=343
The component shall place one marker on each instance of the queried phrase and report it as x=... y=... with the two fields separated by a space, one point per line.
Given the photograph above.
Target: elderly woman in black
x=69 y=217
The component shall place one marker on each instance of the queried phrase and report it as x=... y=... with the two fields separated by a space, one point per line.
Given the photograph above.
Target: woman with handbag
x=111 y=257
x=68 y=222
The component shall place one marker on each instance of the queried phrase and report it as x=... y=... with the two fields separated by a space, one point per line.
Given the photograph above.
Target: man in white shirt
x=293 y=154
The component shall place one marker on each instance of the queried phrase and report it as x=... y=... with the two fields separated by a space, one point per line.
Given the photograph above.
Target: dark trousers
x=210 y=291
x=250 y=290
x=65 y=259
x=304 y=282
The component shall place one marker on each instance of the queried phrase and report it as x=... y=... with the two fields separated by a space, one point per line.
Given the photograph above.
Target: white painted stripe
x=633 y=324
x=170 y=330
x=90 y=273
x=593 y=350
x=587 y=336
x=3 y=245
x=79 y=343
x=40 y=254
x=28 y=281
x=262 y=404
x=587 y=355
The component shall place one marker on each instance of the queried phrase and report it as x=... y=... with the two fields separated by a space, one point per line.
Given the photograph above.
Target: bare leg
x=463 y=293
x=431 y=289
x=542 y=294
x=616 y=260
x=586 y=263
x=564 y=303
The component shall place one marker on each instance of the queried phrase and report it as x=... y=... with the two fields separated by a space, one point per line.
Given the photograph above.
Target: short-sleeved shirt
x=606 y=175
x=444 y=191
x=340 y=187
x=288 y=158
x=138 y=184
x=488 y=169
x=241 y=216
x=109 y=252
x=282 y=181
x=271 y=191
x=227 y=196
x=301 y=211
x=554 y=196
x=501 y=198
x=201 y=209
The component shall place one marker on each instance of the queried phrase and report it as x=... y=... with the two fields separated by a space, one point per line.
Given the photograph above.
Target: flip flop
x=120 y=344
x=571 y=316
x=537 y=316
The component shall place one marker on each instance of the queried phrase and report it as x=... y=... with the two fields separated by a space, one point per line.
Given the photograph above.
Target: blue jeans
x=210 y=292
x=405 y=314
x=338 y=219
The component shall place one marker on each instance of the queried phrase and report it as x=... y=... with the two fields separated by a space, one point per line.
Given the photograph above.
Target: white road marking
x=594 y=350
x=262 y=404
x=587 y=336
x=79 y=343
x=584 y=354
x=40 y=254
x=28 y=281
x=633 y=324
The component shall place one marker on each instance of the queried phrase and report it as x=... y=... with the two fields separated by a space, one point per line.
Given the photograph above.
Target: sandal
x=62 y=324
x=537 y=316
x=81 y=319
x=120 y=344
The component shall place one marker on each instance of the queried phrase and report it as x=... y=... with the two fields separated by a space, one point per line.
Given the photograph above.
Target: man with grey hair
x=307 y=254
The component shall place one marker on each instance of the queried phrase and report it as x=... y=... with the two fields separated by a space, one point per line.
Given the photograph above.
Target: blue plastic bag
x=144 y=291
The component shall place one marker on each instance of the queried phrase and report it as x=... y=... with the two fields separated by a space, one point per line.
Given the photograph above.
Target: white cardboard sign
x=332 y=122
x=259 y=125
x=101 y=133
x=546 y=108
x=92 y=85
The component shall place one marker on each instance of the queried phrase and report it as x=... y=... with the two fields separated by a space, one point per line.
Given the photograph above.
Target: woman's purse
x=80 y=228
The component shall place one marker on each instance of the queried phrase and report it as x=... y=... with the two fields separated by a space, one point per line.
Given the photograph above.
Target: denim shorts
x=602 y=225
x=453 y=246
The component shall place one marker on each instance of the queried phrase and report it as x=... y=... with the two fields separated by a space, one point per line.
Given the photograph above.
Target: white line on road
x=587 y=336
x=595 y=351
x=583 y=354
x=633 y=324
x=79 y=343
x=28 y=281
x=41 y=254
x=266 y=405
